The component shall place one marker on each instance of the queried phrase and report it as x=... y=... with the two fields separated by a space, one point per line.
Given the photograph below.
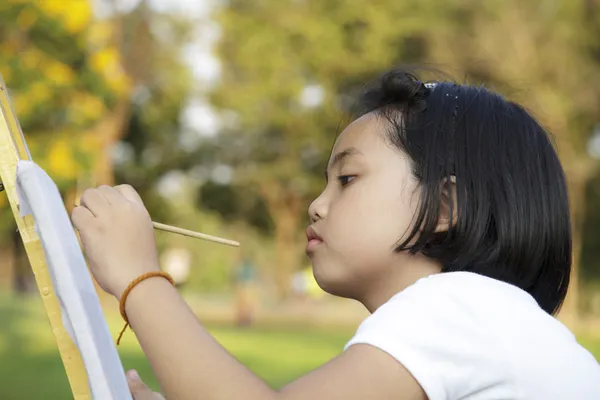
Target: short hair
x=512 y=218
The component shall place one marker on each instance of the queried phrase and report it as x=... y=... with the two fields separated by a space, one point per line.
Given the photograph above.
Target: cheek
x=368 y=226
x=362 y=231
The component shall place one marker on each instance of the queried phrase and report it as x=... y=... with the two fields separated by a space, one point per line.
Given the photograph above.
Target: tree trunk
x=286 y=246
x=23 y=278
x=110 y=130
x=7 y=269
x=284 y=208
x=577 y=179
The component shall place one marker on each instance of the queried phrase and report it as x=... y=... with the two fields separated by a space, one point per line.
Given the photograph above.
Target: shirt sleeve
x=442 y=339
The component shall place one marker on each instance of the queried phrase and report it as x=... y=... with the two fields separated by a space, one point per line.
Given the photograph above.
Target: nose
x=318 y=209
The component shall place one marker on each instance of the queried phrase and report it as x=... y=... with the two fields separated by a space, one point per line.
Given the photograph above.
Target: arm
x=189 y=362
x=186 y=359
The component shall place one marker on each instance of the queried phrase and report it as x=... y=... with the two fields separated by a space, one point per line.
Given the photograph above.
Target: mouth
x=313 y=239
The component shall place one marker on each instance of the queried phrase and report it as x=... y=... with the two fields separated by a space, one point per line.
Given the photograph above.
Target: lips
x=313 y=239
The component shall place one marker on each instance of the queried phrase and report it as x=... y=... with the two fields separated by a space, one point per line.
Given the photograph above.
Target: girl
x=445 y=213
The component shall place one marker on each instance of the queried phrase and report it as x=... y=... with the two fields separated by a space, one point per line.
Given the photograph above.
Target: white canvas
x=82 y=314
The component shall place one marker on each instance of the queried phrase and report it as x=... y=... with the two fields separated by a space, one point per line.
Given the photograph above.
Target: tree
x=275 y=52
x=82 y=85
x=64 y=76
x=152 y=43
x=66 y=82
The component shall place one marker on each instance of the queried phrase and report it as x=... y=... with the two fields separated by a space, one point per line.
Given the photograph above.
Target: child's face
x=366 y=208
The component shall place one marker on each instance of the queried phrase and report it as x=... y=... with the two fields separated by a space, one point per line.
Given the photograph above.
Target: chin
x=331 y=280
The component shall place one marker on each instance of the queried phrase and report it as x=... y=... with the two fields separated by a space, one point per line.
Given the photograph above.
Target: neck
x=398 y=277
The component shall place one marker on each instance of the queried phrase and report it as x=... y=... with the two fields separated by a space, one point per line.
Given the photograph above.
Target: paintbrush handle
x=198 y=235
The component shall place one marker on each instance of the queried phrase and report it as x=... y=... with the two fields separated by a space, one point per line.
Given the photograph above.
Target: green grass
x=30 y=367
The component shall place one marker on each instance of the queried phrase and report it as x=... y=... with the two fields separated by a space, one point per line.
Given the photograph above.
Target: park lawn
x=30 y=367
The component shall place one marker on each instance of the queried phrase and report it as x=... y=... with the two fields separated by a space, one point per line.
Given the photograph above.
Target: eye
x=346 y=179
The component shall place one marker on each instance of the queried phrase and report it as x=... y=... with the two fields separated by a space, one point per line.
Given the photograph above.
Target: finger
x=138 y=388
x=111 y=195
x=81 y=216
x=130 y=193
x=93 y=200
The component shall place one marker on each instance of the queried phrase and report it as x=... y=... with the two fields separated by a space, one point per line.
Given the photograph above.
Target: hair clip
x=430 y=85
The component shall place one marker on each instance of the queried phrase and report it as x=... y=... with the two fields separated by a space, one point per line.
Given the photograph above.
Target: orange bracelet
x=128 y=290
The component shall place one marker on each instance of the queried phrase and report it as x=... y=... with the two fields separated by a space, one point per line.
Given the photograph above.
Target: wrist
x=145 y=283
x=152 y=286
x=124 y=286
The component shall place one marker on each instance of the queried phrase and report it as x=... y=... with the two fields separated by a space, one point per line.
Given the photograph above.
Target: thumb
x=138 y=388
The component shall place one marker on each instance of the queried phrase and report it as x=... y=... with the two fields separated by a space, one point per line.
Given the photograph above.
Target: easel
x=13 y=148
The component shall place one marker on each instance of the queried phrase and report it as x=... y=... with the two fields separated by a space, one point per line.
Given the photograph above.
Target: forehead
x=367 y=134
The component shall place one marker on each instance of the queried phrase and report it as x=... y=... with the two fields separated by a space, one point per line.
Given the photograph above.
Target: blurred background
x=222 y=114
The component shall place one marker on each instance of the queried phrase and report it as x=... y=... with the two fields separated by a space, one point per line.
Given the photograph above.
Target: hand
x=138 y=388
x=117 y=236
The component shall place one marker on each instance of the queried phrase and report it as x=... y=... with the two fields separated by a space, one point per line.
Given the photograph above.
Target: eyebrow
x=342 y=155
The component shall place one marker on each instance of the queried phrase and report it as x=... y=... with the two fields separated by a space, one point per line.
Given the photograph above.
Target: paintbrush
x=197 y=235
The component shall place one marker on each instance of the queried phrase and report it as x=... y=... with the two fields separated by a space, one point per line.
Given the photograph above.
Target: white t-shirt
x=465 y=336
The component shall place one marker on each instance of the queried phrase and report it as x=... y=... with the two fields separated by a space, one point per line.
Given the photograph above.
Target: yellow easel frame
x=13 y=148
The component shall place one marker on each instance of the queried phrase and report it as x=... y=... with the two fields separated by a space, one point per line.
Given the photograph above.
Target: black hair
x=512 y=218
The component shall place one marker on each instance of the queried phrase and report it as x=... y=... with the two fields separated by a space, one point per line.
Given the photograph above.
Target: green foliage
x=236 y=203
x=58 y=73
x=543 y=54
x=63 y=76
x=272 y=50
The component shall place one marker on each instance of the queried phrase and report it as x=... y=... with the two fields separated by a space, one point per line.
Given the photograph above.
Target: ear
x=448 y=205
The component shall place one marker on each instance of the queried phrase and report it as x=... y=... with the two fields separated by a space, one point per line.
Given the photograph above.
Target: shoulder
x=442 y=331
x=462 y=292
x=462 y=335
x=455 y=298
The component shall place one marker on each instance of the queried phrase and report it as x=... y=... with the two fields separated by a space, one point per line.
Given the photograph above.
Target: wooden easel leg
x=12 y=149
